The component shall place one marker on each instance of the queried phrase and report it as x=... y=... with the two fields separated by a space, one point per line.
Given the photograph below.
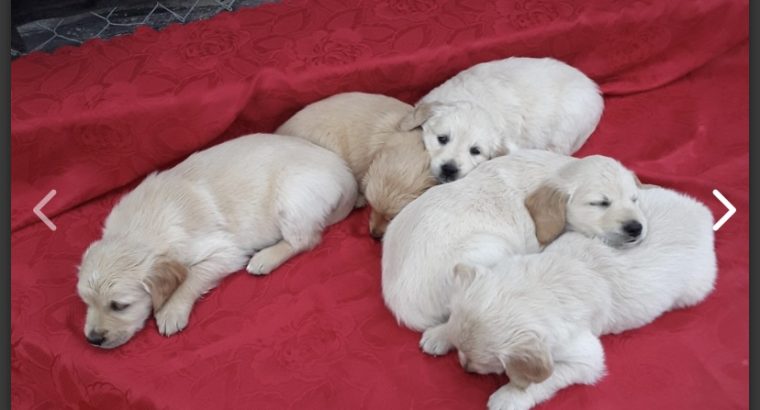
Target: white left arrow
x=730 y=213
x=38 y=210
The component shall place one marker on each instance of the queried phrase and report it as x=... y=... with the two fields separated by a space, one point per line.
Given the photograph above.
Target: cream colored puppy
x=539 y=317
x=595 y=196
x=499 y=106
x=390 y=165
x=181 y=231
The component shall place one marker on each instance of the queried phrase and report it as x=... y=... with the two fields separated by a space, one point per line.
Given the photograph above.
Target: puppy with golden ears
x=538 y=317
x=528 y=198
x=595 y=196
x=255 y=200
x=389 y=164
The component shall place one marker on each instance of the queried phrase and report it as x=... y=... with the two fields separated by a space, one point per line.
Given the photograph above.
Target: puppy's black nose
x=632 y=228
x=449 y=171
x=95 y=339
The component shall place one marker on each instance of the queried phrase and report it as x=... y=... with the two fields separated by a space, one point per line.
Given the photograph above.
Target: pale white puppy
x=539 y=317
x=181 y=231
x=391 y=166
x=499 y=106
x=595 y=196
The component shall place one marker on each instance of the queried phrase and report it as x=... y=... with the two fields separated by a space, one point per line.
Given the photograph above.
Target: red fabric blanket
x=91 y=121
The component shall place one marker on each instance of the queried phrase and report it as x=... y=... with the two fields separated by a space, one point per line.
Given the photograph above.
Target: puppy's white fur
x=182 y=230
x=539 y=317
x=502 y=197
x=390 y=165
x=503 y=105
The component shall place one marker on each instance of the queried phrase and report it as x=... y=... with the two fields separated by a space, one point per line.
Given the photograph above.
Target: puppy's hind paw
x=172 y=320
x=434 y=341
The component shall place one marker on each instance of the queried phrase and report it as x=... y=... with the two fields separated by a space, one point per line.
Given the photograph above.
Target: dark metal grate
x=50 y=33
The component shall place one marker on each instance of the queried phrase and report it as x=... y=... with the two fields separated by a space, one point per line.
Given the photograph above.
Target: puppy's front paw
x=262 y=263
x=434 y=341
x=172 y=319
x=510 y=398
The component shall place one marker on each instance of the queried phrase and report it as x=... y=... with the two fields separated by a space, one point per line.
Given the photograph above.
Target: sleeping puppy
x=595 y=196
x=496 y=107
x=539 y=317
x=390 y=165
x=176 y=235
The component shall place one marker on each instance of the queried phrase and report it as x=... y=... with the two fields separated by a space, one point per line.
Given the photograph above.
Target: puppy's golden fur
x=546 y=206
x=258 y=199
x=390 y=165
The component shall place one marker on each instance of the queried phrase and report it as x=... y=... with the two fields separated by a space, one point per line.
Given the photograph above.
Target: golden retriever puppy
x=528 y=198
x=390 y=165
x=181 y=231
x=497 y=107
x=538 y=317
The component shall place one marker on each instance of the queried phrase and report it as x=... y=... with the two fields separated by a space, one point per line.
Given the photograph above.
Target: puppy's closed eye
x=118 y=307
x=603 y=203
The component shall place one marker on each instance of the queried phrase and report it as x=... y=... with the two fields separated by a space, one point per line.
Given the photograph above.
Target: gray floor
x=49 y=34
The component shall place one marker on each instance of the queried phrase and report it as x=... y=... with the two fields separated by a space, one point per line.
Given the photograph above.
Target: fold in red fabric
x=91 y=121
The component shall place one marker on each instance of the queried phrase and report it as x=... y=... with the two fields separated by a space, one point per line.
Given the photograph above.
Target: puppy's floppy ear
x=501 y=151
x=464 y=274
x=547 y=206
x=504 y=148
x=163 y=279
x=529 y=361
x=421 y=113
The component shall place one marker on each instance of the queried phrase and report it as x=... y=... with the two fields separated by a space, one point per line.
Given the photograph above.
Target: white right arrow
x=731 y=209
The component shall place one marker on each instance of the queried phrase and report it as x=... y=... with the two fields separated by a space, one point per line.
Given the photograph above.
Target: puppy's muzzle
x=378 y=223
x=449 y=172
x=633 y=228
x=377 y=232
x=96 y=338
